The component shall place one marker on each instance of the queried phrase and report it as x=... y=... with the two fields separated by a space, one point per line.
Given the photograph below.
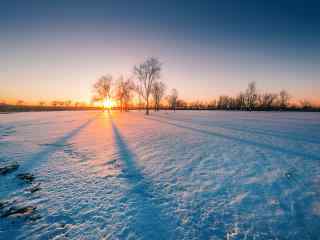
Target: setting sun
x=108 y=103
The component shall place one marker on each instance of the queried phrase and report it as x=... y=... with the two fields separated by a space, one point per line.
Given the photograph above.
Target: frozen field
x=183 y=175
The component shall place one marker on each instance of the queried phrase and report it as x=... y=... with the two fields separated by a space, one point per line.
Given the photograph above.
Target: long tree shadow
x=286 y=182
x=252 y=130
x=50 y=148
x=148 y=223
x=40 y=157
x=242 y=141
x=34 y=160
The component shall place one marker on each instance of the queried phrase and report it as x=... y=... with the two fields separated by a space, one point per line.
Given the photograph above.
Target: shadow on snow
x=50 y=148
x=148 y=222
x=241 y=141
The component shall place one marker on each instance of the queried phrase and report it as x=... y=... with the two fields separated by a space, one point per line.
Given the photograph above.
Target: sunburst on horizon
x=109 y=103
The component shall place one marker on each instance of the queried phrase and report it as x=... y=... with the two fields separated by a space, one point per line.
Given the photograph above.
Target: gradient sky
x=57 y=49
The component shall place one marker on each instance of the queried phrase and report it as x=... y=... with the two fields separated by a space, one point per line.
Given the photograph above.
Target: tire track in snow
x=149 y=223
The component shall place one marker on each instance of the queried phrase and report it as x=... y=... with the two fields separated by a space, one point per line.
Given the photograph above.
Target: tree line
x=251 y=100
x=54 y=103
x=145 y=85
x=145 y=90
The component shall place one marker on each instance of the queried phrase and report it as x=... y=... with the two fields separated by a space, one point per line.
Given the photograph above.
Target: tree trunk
x=147 y=107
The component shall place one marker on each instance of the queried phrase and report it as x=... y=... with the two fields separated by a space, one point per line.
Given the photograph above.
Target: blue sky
x=56 y=49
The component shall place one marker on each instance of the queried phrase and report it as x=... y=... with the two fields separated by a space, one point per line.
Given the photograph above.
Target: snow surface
x=183 y=175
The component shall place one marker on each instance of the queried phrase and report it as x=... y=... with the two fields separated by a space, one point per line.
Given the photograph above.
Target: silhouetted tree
x=147 y=73
x=267 y=100
x=212 y=104
x=102 y=88
x=181 y=103
x=42 y=103
x=251 y=96
x=173 y=99
x=284 y=98
x=67 y=103
x=55 y=103
x=20 y=103
x=158 y=90
x=124 y=92
x=305 y=104
x=138 y=90
x=241 y=101
x=226 y=102
x=195 y=104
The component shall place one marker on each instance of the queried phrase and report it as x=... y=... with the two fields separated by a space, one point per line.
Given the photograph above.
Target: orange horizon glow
x=111 y=103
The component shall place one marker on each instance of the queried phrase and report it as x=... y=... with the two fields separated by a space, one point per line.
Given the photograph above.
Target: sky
x=55 y=50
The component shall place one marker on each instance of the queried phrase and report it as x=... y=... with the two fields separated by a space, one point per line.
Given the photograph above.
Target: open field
x=182 y=175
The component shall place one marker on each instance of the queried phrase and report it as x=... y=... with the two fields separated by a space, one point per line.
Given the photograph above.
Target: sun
x=108 y=103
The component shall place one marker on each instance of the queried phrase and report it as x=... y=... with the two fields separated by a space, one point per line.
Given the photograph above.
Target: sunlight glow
x=108 y=103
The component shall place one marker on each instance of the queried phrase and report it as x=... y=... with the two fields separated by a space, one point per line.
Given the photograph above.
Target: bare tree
x=173 y=99
x=241 y=101
x=212 y=104
x=305 y=104
x=223 y=102
x=102 y=88
x=67 y=103
x=20 y=103
x=56 y=103
x=124 y=92
x=267 y=100
x=42 y=103
x=194 y=105
x=230 y=103
x=181 y=103
x=147 y=73
x=158 y=90
x=138 y=90
x=251 y=96
x=284 y=98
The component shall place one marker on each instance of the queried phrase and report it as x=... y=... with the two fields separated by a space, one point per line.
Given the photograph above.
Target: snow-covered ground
x=183 y=175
